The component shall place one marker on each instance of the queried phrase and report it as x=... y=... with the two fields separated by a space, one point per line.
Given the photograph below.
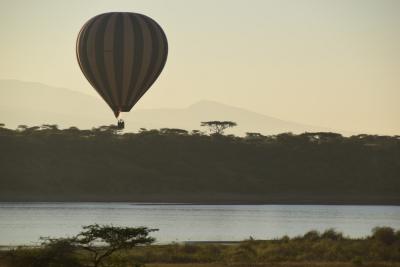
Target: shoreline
x=206 y=203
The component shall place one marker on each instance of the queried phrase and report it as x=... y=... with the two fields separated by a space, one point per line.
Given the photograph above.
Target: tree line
x=45 y=163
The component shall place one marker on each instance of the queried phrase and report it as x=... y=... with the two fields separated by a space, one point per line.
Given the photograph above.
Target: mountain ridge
x=37 y=103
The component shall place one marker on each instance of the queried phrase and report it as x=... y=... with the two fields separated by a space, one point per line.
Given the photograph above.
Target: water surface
x=24 y=223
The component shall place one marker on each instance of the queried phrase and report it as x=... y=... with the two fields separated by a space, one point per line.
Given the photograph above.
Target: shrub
x=59 y=254
x=312 y=235
x=332 y=234
x=386 y=235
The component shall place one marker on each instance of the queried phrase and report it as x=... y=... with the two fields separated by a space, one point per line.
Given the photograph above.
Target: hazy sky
x=330 y=63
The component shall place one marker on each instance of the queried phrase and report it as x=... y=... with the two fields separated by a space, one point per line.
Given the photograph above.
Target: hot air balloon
x=121 y=54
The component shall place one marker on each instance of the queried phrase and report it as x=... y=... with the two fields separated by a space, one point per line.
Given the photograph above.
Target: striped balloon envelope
x=121 y=54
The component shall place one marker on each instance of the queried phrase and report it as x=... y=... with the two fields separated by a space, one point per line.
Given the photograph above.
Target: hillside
x=47 y=164
x=35 y=104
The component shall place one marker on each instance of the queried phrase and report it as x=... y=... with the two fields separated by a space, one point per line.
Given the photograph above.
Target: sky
x=332 y=63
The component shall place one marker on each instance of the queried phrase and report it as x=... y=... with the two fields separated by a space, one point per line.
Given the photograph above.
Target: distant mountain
x=35 y=104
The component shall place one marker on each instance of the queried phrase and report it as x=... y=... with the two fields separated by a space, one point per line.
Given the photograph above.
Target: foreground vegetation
x=172 y=165
x=328 y=249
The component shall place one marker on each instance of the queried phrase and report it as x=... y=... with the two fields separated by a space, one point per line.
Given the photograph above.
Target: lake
x=24 y=223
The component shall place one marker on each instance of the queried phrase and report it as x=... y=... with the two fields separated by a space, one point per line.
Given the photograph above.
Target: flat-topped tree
x=101 y=241
x=218 y=127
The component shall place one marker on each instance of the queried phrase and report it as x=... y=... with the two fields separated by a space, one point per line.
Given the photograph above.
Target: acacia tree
x=218 y=127
x=101 y=241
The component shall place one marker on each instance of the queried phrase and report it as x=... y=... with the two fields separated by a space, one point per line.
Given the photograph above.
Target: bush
x=397 y=235
x=59 y=254
x=312 y=235
x=332 y=234
x=386 y=235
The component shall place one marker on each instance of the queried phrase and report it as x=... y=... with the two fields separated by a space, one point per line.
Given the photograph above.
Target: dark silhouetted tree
x=101 y=241
x=218 y=127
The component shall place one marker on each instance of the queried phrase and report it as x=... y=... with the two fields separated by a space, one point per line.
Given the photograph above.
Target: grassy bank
x=328 y=249
x=283 y=264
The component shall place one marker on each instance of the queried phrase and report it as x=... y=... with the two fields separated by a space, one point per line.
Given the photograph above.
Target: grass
x=282 y=264
x=314 y=249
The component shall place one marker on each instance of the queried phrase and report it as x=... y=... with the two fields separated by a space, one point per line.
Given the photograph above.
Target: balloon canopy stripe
x=144 y=68
x=159 y=49
x=141 y=51
x=138 y=56
x=118 y=55
x=121 y=55
x=93 y=45
x=109 y=55
x=128 y=56
x=83 y=59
